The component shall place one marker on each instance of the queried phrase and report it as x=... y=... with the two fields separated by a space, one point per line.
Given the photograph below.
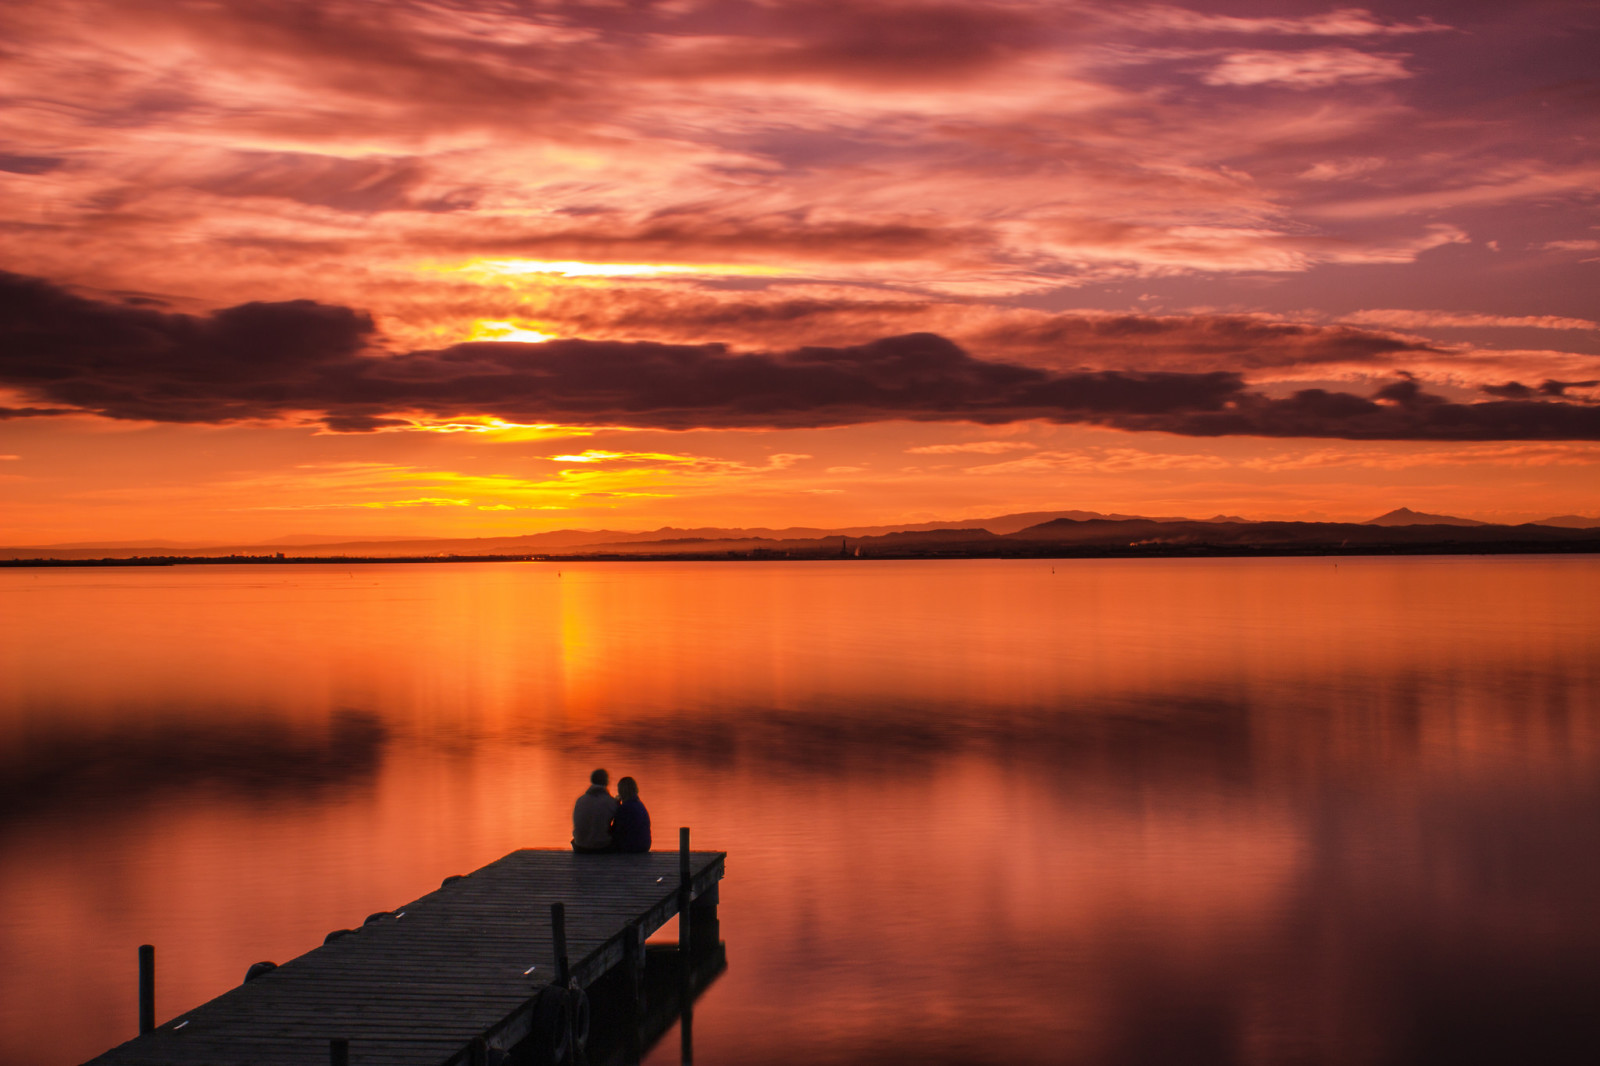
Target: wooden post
x=558 y=928
x=633 y=992
x=338 y=1052
x=633 y=964
x=685 y=934
x=703 y=917
x=147 y=988
x=685 y=888
x=478 y=1054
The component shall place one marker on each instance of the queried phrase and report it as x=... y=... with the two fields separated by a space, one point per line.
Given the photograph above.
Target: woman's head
x=627 y=788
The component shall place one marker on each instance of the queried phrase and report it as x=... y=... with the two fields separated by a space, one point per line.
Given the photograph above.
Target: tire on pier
x=578 y=1001
x=551 y=1030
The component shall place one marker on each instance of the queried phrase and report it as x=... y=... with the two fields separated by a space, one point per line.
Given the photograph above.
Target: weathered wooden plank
x=418 y=984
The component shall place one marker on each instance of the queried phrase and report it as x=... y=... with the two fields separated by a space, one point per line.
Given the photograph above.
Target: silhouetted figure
x=591 y=816
x=630 y=826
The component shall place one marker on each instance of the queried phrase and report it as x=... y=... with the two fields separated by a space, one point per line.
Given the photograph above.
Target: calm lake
x=1081 y=811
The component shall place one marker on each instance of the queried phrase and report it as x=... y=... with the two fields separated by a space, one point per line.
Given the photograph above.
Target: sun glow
x=520 y=332
x=499 y=429
x=600 y=455
x=506 y=269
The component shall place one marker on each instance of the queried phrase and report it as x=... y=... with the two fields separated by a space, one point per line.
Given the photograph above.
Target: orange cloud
x=1101 y=461
x=977 y=447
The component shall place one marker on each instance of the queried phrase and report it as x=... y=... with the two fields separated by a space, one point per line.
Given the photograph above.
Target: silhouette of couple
x=603 y=823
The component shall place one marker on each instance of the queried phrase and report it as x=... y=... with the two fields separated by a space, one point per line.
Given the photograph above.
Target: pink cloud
x=1342 y=22
x=1519 y=181
x=1341 y=169
x=1317 y=68
x=1397 y=318
x=1571 y=246
x=893 y=167
x=663 y=128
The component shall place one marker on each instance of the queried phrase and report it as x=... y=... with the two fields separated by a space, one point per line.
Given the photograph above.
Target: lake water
x=1159 y=811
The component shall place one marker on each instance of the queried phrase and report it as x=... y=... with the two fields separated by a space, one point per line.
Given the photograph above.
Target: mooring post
x=338 y=1052
x=685 y=889
x=685 y=935
x=558 y=929
x=147 y=988
x=703 y=918
x=478 y=1053
x=633 y=991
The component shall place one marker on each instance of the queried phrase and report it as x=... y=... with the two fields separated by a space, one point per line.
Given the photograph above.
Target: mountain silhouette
x=1405 y=516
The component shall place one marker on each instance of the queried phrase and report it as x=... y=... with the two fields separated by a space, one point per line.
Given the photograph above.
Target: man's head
x=600 y=777
x=627 y=788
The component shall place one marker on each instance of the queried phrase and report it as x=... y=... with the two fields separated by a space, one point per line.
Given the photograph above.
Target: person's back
x=630 y=826
x=592 y=814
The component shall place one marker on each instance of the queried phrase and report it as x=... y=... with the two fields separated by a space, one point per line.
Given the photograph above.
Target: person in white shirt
x=591 y=816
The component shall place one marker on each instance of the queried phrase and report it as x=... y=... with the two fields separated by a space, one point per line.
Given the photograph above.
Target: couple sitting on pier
x=601 y=823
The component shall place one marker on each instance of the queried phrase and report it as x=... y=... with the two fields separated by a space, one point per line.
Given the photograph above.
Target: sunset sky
x=479 y=268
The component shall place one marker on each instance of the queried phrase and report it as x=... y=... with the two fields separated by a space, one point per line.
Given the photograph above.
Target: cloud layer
x=308 y=359
x=940 y=145
x=899 y=218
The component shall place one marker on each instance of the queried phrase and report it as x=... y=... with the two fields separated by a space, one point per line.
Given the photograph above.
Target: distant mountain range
x=1571 y=521
x=1026 y=533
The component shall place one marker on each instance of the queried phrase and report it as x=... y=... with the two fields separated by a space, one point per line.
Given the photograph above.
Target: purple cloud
x=306 y=359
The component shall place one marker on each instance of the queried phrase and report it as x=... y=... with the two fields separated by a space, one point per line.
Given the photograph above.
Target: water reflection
x=58 y=771
x=1185 y=811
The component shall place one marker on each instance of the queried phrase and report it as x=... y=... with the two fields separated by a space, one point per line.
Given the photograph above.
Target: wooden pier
x=495 y=960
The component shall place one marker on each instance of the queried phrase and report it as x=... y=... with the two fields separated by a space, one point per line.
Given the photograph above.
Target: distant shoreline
x=1590 y=547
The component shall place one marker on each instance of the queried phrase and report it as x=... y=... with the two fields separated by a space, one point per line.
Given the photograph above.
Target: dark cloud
x=253 y=360
x=1244 y=341
x=34 y=412
x=299 y=358
x=1418 y=416
x=918 y=376
x=1516 y=390
x=691 y=231
x=29 y=164
x=872 y=43
x=1559 y=388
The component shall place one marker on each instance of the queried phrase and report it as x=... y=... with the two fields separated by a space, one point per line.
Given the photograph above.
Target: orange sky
x=469 y=268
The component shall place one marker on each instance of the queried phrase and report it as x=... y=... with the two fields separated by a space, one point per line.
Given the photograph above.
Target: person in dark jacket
x=630 y=826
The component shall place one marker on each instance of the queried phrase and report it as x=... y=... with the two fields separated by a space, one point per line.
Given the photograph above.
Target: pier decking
x=463 y=964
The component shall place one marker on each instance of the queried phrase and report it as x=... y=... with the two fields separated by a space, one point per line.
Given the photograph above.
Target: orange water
x=1241 y=811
